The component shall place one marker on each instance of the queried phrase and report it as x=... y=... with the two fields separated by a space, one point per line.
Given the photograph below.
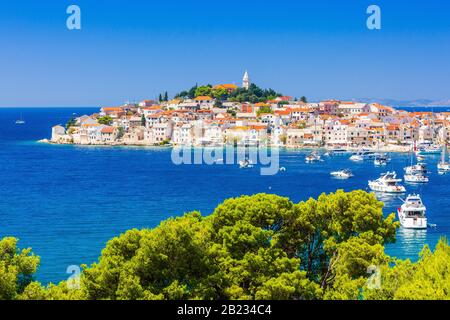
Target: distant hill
x=407 y=103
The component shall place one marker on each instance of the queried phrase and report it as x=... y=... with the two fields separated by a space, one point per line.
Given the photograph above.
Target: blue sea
x=66 y=202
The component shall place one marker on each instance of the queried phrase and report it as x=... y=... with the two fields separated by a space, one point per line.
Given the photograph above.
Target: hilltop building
x=246 y=81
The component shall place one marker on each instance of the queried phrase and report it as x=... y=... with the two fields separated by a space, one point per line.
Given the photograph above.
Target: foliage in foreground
x=252 y=247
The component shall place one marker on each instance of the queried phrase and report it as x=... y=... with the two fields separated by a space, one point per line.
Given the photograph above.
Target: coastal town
x=226 y=114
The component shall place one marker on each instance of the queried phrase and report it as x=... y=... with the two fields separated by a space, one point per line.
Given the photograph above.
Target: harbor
x=93 y=193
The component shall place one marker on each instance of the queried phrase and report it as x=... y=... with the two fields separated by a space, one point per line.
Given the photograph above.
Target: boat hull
x=375 y=187
x=412 y=223
x=340 y=175
x=413 y=179
x=444 y=167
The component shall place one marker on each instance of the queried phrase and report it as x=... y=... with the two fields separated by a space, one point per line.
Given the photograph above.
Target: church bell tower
x=246 y=81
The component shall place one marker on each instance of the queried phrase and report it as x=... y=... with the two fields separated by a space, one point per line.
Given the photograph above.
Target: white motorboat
x=381 y=160
x=363 y=155
x=412 y=213
x=443 y=166
x=313 y=157
x=357 y=157
x=416 y=178
x=342 y=174
x=387 y=183
x=419 y=168
x=416 y=171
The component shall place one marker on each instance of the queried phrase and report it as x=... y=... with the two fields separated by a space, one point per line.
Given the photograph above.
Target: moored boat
x=419 y=168
x=428 y=150
x=363 y=155
x=416 y=178
x=387 y=183
x=342 y=174
x=412 y=213
x=381 y=160
x=313 y=157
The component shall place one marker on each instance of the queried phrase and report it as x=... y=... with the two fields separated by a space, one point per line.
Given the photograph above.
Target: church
x=246 y=81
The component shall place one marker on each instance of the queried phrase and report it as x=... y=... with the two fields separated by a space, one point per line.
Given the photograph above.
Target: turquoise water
x=67 y=201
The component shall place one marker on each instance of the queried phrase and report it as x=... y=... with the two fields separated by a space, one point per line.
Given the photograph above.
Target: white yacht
x=419 y=168
x=363 y=155
x=342 y=174
x=388 y=183
x=412 y=213
x=443 y=166
x=416 y=178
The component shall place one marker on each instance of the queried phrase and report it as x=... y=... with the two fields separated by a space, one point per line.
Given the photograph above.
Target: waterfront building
x=183 y=134
x=134 y=136
x=212 y=134
x=278 y=136
x=57 y=133
x=295 y=137
x=162 y=131
x=108 y=134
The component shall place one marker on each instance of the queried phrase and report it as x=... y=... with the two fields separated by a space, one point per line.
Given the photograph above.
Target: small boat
x=357 y=157
x=20 y=121
x=381 y=160
x=342 y=174
x=419 y=168
x=420 y=158
x=282 y=169
x=313 y=157
x=363 y=155
x=387 y=183
x=428 y=150
x=338 y=151
x=443 y=166
x=412 y=213
x=245 y=164
x=416 y=178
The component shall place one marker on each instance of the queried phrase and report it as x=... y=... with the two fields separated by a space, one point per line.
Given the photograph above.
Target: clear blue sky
x=131 y=50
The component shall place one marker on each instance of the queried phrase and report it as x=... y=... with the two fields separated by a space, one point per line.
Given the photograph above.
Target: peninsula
x=251 y=116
